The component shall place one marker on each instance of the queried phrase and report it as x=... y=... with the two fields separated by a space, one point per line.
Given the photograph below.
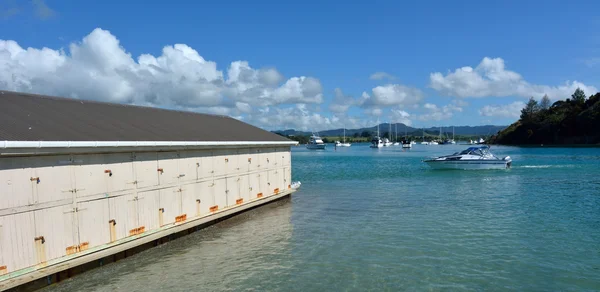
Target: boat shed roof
x=26 y=118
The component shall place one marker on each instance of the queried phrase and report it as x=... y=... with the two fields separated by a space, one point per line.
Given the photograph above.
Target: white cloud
x=300 y=117
x=373 y=111
x=435 y=113
x=490 y=78
x=512 y=110
x=98 y=68
x=400 y=116
x=392 y=95
x=341 y=103
x=381 y=76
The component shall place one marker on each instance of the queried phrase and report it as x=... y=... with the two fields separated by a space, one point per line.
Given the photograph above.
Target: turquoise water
x=380 y=220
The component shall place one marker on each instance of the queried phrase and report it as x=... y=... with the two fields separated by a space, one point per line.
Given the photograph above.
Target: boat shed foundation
x=85 y=183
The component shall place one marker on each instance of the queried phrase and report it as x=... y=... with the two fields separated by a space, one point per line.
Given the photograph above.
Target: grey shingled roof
x=29 y=117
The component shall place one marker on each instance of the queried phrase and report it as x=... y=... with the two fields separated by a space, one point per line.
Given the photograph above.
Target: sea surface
x=381 y=220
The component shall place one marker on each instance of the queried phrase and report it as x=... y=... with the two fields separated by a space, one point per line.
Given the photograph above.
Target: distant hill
x=384 y=127
x=575 y=120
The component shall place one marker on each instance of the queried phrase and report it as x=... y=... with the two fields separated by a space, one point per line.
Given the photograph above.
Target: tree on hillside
x=545 y=102
x=365 y=134
x=530 y=109
x=355 y=135
x=578 y=96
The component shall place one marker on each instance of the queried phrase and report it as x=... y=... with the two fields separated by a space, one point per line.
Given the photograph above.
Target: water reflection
x=230 y=254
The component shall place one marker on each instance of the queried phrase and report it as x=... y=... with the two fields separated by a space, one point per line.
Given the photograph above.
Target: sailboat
x=406 y=143
x=424 y=142
x=452 y=141
x=343 y=144
x=376 y=141
x=386 y=141
x=396 y=143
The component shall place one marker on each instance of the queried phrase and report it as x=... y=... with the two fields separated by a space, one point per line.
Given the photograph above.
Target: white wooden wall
x=52 y=206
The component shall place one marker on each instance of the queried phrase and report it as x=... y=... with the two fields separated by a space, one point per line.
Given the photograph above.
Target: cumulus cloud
x=435 y=113
x=491 y=79
x=512 y=110
x=300 y=117
x=392 y=95
x=341 y=103
x=99 y=68
x=381 y=76
x=400 y=116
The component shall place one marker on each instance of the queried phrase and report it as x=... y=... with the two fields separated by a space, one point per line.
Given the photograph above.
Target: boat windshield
x=480 y=151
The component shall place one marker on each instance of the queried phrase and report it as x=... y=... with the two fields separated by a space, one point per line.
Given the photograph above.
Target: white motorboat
x=476 y=157
x=406 y=145
x=376 y=142
x=433 y=143
x=413 y=143
x=315 y=143
x=424 y=143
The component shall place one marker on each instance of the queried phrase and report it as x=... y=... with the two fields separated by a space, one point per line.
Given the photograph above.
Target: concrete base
x=48 y=275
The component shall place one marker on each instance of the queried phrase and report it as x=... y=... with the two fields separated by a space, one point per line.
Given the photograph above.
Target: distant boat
x=424 y=142
x=315 y=143
x=344 y=144
x=396 y=143
x=386 y=141
x=376 y=141
x=406 y=143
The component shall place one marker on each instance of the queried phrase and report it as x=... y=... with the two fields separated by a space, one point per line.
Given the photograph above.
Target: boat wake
x=545 y=166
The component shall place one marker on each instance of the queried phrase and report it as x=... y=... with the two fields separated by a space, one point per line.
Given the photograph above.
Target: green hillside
x=575 y=120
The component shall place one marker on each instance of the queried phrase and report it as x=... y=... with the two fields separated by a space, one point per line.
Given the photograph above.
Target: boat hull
x=315 y=146
x=466 y=165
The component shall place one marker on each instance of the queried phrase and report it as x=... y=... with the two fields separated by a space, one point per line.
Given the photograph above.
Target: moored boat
x=478 y=157
x=315 y=143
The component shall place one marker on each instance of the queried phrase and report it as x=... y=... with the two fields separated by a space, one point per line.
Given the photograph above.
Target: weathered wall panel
x=93 y=221
x=170 y=201
x=206 y=196
x=245 y=192
x=121 y=176
x=17 y=242
x=89 y=174
x=265 y=187
x=189 y=194
x=206 y=164
x=145 y=169
x=233 y=190
x=148 y=205
x=16 y=182
x=57 y=225
x=168 y=169
x=219 y=188
x=254 y=184
x=56 y=178
x=123 y=210
x=189 y=164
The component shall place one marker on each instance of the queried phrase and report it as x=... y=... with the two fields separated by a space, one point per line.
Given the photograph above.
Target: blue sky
x=309 y=65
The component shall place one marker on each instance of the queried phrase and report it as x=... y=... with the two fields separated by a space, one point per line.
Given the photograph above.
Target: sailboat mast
x=344 y=134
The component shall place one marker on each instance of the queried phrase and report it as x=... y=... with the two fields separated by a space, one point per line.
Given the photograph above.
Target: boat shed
x=82 y=181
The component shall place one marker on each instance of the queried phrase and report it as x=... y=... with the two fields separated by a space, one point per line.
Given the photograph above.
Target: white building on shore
x=81 y=181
